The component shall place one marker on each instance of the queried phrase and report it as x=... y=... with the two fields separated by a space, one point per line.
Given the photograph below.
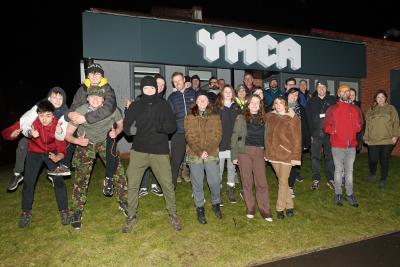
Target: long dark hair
x=220 y=101
x=374 y=104
x=261 y=113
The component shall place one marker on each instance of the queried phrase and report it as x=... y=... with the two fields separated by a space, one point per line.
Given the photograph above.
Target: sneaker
x=338 y=199
x=382 y=184
x=280 y=215
x=241 y=194
x=130 y=222
x=331 y=184
x=291 y=191
x=50 y=178
x=108 y=187
x=61 y=170
x=201 y=216
x=123 y=205
x=231 y=194
x=25 y=219
x=217 y=211
x=173 y=218
x=250 y=216
x=290 y=212
x=157 y=191
x=352 y=201
x=315 y=185
x=76 y=220
x=179 y=179
x=64 y=217
x=268 y=219
x=143 y=192
x=14 y=181
x=299 y=179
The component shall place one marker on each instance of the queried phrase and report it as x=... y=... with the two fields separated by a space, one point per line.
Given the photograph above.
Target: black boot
x=201 y=217
x=217 y=211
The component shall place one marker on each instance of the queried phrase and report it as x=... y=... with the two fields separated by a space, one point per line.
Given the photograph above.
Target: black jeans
x=112 y=158
x=148 y=174
x=178 y=150
x=379 y=153
x=316 y=145
x=33 y=164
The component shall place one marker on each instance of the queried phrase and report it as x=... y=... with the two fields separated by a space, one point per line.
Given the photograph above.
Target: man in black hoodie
x=150 y=120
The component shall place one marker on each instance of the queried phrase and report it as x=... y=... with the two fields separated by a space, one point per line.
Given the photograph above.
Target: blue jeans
x=343 y=159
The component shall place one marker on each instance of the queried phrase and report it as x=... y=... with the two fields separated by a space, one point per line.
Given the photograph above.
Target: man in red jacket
x=43 y=147
x=342 y=122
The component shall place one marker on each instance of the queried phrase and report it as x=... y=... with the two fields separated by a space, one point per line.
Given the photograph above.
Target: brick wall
x=382 y=56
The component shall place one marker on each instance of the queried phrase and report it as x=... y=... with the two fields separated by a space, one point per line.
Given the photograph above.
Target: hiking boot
x=382 y=184
x=339 y=199
x=217 y=211
x=25 y=219
x=61 y=170
x=173 y=218
x=352 y=201
x=108 y=187
x=64 y=217
x=130 y=222
x=331 y=184
x=231 y=194
x=290 y=212
x=201 y=217
x=14 y=181
x=76 y=220
x=50 y=178
x=299 y=179
x=123 y=205
x=315 y=185
x=143 y=192
x=370 y=177
x=280 y=215
x=157 y=191
x=291 y=191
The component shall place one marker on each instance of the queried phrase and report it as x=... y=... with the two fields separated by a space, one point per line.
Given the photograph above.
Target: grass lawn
x=233 y=241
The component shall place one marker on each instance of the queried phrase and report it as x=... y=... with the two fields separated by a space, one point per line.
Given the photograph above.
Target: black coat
x=228 y=117
x=315 y=107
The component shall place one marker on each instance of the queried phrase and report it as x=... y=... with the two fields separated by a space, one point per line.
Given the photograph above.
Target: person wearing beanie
x=315 y=111
x=92 y=140
x=150 y=120
x=196 y=82
x=272 y=92
x=342 y=122
x=95 y=77
x=203 y=133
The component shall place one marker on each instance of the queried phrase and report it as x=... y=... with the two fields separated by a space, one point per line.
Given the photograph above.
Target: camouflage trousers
x=83 y=162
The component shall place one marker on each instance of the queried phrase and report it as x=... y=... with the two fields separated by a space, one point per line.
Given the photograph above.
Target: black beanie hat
x=201 y=92
x=94 y=68
x=148 y=81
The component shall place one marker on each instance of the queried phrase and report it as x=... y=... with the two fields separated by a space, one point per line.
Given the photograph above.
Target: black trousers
x=178 y=150
x=33 y=165
x=379 y=153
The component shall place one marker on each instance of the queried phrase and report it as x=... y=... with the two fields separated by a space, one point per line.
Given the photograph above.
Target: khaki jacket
x=203 y=134
x=283 y=138
x=238 y=139
x=382 y=124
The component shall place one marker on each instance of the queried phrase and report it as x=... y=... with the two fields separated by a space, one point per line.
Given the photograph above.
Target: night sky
x=43 y=44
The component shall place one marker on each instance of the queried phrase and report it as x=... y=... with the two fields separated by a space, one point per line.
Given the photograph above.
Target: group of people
x=244 y=127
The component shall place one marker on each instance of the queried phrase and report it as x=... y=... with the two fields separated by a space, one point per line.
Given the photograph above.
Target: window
x=139 y=71
x=204 y=74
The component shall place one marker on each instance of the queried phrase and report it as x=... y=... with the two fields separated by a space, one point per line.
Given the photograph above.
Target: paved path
x=379 y=251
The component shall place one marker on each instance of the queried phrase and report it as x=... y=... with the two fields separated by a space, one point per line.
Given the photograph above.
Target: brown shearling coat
x=283 y=138
x=203 y=134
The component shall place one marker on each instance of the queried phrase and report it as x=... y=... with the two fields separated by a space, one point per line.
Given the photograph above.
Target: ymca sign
x=260 y=51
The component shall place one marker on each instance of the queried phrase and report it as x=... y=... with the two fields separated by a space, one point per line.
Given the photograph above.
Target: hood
x=58 y=90
x=103 y=82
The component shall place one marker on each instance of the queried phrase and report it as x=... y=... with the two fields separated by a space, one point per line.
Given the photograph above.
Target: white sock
x=153 y=186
